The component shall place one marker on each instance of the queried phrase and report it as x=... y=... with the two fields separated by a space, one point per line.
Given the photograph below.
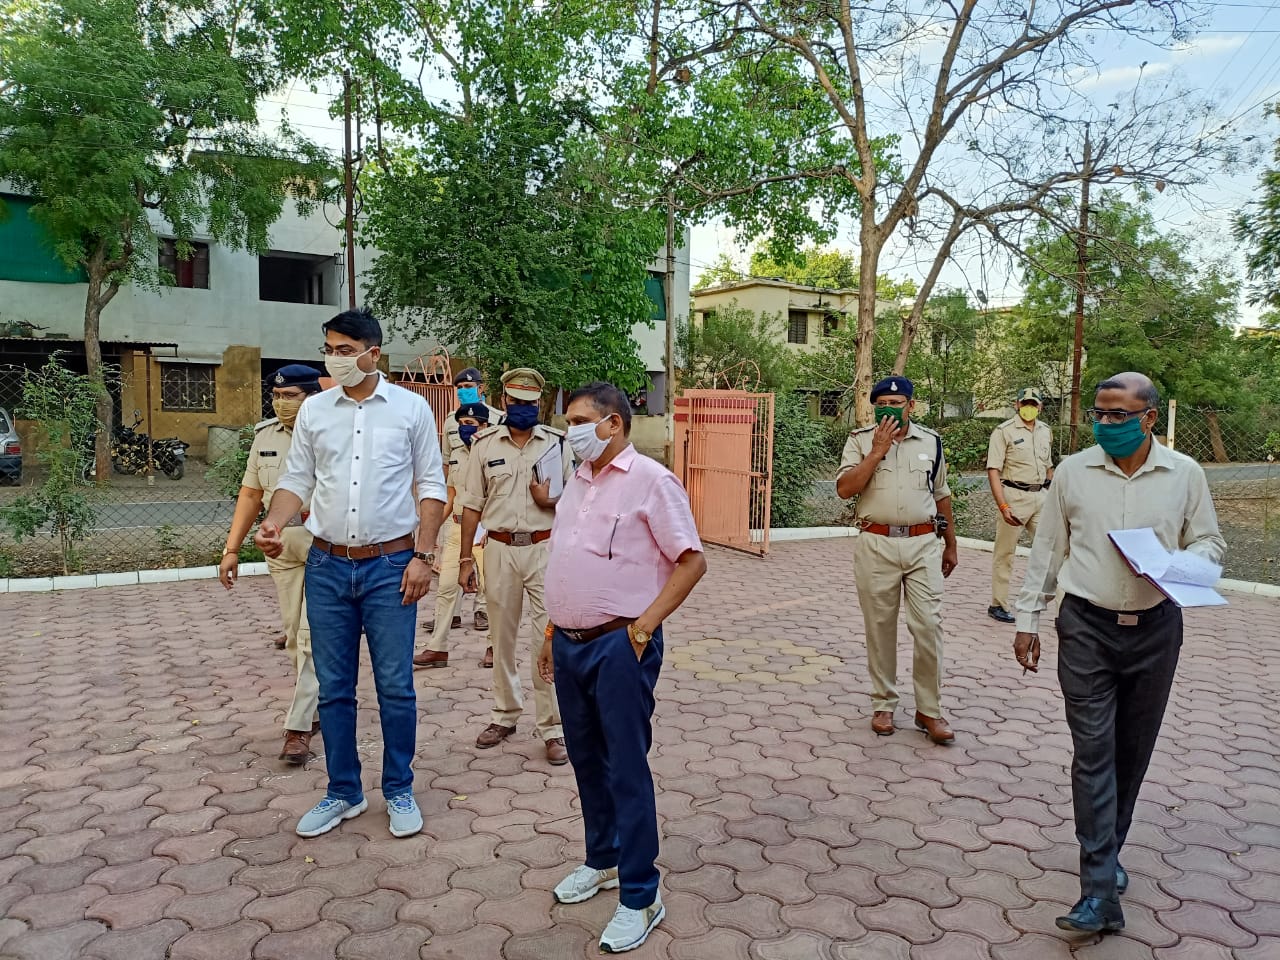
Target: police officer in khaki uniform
x=470 y=388
x=470 y=418
x=501 y=491
x=897 y=471
x=1019 y=469
x=290 y=386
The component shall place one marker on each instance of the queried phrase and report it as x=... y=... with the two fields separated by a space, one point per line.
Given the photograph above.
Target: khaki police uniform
x=886 y=568
x=449 y=592
x=496 y=483
x=450 y=445
x=1024 y=456
x=266 y=464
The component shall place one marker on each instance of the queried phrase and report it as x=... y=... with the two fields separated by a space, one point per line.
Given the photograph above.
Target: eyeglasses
x=342 y=351
x=1114 y=416
x=887 y=402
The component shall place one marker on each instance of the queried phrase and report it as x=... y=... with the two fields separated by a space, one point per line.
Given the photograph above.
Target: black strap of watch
x=427 y=558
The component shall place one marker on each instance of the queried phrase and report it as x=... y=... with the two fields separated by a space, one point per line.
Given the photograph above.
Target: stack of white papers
x=1185 y=578
x=548 y=467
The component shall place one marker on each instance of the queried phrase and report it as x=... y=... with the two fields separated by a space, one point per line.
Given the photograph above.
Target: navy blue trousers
x=606 y=703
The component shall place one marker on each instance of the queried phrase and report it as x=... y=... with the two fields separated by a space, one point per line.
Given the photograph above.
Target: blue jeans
x=606 y=703
x=344 y=597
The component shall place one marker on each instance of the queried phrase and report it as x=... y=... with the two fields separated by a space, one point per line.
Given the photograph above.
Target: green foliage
x=1257 y=226
x=799 y=451
x=62 y=404
x=733 y=348
x=227 y=471
x=965 y=443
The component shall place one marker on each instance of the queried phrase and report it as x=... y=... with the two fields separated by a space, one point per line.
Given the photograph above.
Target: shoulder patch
x=870 y=426
x=554 y=431
x=486 y=432
x=263 y=424
x=932 y=433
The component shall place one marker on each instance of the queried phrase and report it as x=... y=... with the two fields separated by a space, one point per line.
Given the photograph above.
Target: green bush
x=226 y=472
x=799 y=451
x=965 y=443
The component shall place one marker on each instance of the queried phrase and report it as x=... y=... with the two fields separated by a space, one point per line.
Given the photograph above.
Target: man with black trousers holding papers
x=1118 y=636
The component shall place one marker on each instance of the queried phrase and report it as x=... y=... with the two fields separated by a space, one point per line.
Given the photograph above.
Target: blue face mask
x=1120 y=439
x=467 y=431
x=468 y=394
x=522 y=416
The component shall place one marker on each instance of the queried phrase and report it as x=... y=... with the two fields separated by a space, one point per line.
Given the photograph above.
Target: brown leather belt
x=889 y=530
x=1028 y=487
x=520 y=539
x=591 y=633
x=366 y=552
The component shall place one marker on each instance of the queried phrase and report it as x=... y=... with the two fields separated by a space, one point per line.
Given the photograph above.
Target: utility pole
x=348 y=189
x=669 y=295
x=1082 y=277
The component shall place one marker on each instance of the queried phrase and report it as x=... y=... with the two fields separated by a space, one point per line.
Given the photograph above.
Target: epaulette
x=928 y=430
x=262 y=425
x=554 y=431
x=484 y=432
x=870 y=426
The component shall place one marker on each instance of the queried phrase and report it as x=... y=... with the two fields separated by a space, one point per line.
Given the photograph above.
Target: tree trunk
x=865 y=341
x=1215 y=437
x=99 y=295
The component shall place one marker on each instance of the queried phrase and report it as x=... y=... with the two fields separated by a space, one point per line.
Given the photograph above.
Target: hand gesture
x=950 y=559
x=1026 y=650
x=541 y=493
x=416 y=582
x=269 y=539
x=1009 y=518
x=229 y=570
x=546 y=665
x=882 y=439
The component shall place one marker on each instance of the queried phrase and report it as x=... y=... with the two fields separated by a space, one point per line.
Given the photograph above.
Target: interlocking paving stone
x=780 y=811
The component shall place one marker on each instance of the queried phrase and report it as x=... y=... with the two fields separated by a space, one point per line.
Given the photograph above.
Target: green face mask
x=898 y=413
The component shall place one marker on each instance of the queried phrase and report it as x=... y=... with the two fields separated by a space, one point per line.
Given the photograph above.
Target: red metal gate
x=432 y=377
x=723 y=453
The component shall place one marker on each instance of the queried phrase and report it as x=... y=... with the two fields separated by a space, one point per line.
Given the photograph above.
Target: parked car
x=10 y=450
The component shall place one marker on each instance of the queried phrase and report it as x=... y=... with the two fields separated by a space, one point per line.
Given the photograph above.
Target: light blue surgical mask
x=468 y=394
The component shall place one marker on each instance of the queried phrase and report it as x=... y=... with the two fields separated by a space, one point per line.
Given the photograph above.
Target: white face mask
x=585 y=443
x=345 y=370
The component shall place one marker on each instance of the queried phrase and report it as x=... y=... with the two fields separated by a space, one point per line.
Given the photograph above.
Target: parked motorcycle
x=129 y=452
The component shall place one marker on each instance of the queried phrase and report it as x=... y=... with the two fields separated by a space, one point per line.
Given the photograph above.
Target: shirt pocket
x=500 y=479
x=920 y=471
x=607 y=533
x=1044 y=450
x=390 y=447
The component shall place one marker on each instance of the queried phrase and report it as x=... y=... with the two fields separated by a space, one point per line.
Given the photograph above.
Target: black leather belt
x=1125 y=618
x=591 y=633
x=1028 y=487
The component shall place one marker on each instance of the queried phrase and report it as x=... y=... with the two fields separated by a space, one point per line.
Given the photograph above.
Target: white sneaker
x=584 y=883
x=327 y=814
x=630 y=928
x=403 y=813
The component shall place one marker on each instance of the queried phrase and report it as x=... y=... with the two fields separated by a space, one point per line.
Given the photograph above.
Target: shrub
x=799 y=451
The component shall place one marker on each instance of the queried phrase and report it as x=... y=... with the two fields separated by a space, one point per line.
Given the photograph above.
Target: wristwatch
x=428 y=558
x=640 y=637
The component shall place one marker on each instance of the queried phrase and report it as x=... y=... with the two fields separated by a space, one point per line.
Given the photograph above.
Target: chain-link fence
x=1245 y=483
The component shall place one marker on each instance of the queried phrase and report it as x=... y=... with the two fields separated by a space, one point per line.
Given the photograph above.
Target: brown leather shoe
x=493 y=734
x=280 y=641
x=480 y=621
x=935 y=727
x=882 y=723
x=430 y=625
x=431 y=659
x=487 y=659
x=557 y=755
x=297 y=747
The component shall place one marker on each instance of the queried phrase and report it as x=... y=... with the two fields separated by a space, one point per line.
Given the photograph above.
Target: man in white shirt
x=367 y=456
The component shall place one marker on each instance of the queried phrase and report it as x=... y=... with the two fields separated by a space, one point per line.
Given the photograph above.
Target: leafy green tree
x=1257 y=226
x=735 y=349
x=114 y=110
x=812 y=266
x=62 y=405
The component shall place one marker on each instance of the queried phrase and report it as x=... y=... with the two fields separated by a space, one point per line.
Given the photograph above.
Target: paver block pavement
x=140 y=790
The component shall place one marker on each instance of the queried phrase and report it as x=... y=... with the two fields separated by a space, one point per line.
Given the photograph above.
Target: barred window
x=797 y=326
x=188 y=386
x=829 y=404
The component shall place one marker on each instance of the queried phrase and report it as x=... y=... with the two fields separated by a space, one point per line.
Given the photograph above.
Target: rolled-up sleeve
x=1047 y=551
x=1200 y=534
x=428 y=466
x=851 y=457
x=996 y=450
x=670 y=520
x=300 y=465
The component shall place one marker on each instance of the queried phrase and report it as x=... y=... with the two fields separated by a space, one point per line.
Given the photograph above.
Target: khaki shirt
x=497 y=476
x=898 y=492
x=449 y=439
x=271 y=443
x=1090 y=497
x=1021 y=455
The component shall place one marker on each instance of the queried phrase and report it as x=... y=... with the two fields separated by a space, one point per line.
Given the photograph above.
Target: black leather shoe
x=1122 y=879
x=1093 y=915
x=1001 y=614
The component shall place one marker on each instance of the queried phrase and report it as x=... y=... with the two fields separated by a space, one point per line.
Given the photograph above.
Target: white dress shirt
x=364 y=465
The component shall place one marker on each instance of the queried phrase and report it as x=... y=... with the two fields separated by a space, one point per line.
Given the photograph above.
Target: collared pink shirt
x=615 y=540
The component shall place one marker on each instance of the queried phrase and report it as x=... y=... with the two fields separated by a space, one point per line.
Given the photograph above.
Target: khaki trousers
x=288 y=571
x=886 y=569
x=1025 y=505
x=511 y=573
x=449 y=592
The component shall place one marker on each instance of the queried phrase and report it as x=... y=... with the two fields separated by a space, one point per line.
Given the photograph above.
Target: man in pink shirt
x=624 y=555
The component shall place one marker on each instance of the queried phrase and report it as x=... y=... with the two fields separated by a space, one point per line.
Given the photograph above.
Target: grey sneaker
x=404 y=816
x=584 y=883
x=327 y=814
x=630 y=928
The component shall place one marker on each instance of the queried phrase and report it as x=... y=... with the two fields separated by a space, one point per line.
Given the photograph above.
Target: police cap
x=475 y=410
x=899 y=386
x=469 y=375
x=523 y=383
x=296 y=375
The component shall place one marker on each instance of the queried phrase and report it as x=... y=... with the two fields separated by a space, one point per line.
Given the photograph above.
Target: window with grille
x=829 y=405
x=192 y=272
x=797 y=326
x=830 y=324
x=188 y=386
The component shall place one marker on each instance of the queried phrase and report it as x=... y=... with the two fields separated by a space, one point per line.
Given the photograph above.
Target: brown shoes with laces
x=492 y=735
x=297 y=747
x=557 y=755
x=935 y=727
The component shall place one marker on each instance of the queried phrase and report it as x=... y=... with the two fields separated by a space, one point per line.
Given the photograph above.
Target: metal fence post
x=1173 y=422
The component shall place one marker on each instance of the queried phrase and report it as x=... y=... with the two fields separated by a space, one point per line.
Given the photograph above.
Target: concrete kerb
x=779 y=535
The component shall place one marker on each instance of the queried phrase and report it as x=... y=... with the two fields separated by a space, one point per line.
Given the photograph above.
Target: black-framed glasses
x=1114 y=416
x=342 y=351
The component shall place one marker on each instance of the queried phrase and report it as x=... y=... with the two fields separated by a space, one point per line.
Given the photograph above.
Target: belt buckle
x=1127 y=619
x=574 y=635
x=898 y=531
x=522 y=539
